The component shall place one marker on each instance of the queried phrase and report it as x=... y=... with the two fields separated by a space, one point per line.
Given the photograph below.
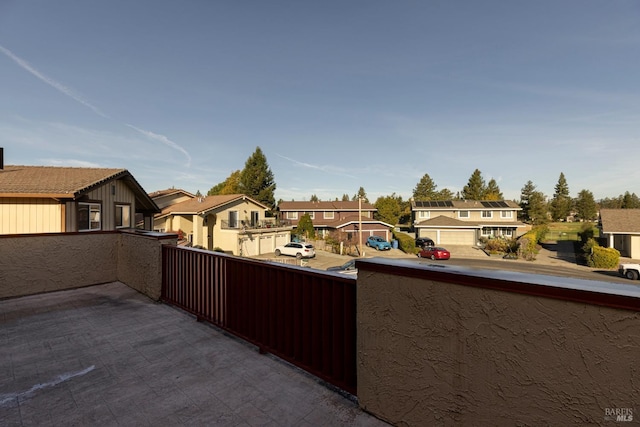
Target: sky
x=337 y=94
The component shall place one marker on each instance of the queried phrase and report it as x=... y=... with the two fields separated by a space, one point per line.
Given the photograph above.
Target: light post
x=360 y=224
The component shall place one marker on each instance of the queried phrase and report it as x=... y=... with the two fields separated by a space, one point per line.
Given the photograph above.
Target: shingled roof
x=199 y=205
x=620 y=221
x=336 y=206
x=67 y=183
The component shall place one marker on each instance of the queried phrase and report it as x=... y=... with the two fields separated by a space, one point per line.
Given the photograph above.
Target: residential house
x=464 y=222
x=234 y=223
x=343 y=216
x=620 y=228
x=170 y=196
x=47 y=199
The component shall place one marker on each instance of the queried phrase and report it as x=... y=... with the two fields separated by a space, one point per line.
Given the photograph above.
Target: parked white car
x=298 y=250
x=630 y=271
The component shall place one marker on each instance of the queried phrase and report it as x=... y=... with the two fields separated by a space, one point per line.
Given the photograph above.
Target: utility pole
x=360 y=223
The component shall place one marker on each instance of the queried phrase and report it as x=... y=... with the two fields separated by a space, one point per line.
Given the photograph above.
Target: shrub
x=598 y=257
x=405 y=243
x=500 y=245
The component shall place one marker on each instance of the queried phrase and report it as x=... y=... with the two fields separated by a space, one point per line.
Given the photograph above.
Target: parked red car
x=434 y=252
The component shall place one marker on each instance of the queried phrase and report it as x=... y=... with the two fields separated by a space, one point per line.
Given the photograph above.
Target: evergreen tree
x=475 y=188
x=492 y=191
x=314 y=198
x=537 y=208
x=586 y=208
x=305 y=227
x=256 y=179
x=425 y=189
x=630 y=201
x=361 y=194
x=345 y=197
x=561 y=202
x=198 y=193
x=231 y=185
x=525 y=195
x=389 y=209
x=444 y=194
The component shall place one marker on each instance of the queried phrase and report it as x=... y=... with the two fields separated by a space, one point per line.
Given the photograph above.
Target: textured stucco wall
x=45 y=263
x=140 y=262
x=433 y=353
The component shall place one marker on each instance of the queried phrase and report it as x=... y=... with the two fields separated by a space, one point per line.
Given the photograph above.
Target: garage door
x=462 y=237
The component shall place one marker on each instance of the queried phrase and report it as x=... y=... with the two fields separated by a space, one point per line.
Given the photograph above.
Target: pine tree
x=345 y=197
x=314 y=198
x=475 y=188
x=425 y=189
x=492 y=191
x=586 y=208
x=305 y=227
x=561 y=202
x=525 y=195
x=256 y=179
x=537 y=208
x=361 y=194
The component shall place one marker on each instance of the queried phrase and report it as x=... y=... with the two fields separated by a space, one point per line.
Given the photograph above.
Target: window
x=88 y=216
x=506 y=214
x=424 y=214
x=487 y=231
x=255 y=218
x=329 y=215
x=292 y=215
x=233 y=219
x=123 y=216
x=312 y=215
x=487 y=214
x=463 y=214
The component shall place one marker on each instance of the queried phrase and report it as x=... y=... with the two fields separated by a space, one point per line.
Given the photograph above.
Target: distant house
x=620 y=228
x=170 y=196
x=341 y=216
x=234 y=223
x=464 y=222
x=47 y=199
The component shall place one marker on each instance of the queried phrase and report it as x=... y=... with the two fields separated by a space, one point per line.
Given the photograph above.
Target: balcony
x=267 y=224
x=411 y=344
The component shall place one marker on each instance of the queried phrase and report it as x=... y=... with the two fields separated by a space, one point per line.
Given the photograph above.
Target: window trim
x=90 y=205
x=506 y=214
x=115 y=216
x=424 y=214
x=292 y=215
x=490 y=214
x=468 y=214
x=329 y=215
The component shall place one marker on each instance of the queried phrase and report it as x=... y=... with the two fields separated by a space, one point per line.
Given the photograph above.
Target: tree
x=314 y=198
x=361 y=194
x=492 y=191
x=586 y=206
x=475 y=188
x=525 y=195
x=537 y=208
x=305 y=227
x=425 y=189
x=630 y=201
x=444 y=194
x=345 y=197
x=231 y=185
x=256 y=179
x=561 y=202
x=389 y=209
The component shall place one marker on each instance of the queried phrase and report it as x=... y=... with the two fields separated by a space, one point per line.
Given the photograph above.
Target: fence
x=305 y=317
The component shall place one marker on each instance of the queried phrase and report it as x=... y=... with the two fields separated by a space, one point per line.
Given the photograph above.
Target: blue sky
x=338 y=94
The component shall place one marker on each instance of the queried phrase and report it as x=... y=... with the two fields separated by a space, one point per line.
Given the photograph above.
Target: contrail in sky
x=51 y=82
x=164 y=140
x=68 y=92
x=321 y=168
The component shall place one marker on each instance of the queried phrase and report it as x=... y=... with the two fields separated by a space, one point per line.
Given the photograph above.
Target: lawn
x=564 y=231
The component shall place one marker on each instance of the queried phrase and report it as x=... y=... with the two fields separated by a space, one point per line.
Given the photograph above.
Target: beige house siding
x=474 y=215
x=25 y=216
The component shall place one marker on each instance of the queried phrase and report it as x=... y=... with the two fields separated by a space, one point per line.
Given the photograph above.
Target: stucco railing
x=440 y=345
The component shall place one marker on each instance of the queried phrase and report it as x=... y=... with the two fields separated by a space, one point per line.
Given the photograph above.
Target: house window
x=506 y=214
x=487 y=214
x=463 y=214
x=329 y=215
x=88 y=216
x=312 y=215
x=487 y=231
x=255 y=218
x=292 y=215
x=424 y=214
x=123 y=216
x=233 y=219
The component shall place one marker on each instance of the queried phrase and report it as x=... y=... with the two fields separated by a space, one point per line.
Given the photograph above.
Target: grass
x=564 y=231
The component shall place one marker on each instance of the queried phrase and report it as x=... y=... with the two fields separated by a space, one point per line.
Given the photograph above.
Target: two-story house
x=464 y=222
x=235 y=223
x=47 y=199
x=341 y=216
x=620 y=228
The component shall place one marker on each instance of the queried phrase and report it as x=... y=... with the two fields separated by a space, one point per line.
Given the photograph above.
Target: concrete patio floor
x=107 y=355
